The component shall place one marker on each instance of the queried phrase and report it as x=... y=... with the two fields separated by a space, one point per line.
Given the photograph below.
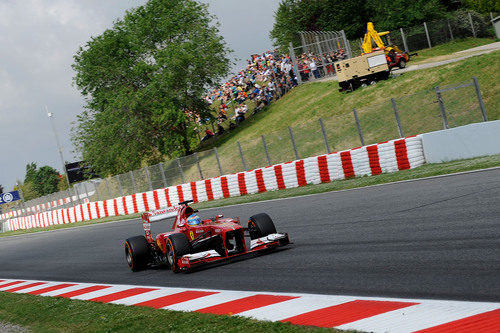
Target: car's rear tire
x=137 y=253
x=402 y=63
x=177 y=246
x=260 y=225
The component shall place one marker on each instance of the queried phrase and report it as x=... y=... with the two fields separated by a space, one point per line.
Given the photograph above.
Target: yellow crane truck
x=373 y=65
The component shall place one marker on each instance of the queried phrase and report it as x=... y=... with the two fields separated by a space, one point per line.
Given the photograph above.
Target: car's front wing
x=256 y=245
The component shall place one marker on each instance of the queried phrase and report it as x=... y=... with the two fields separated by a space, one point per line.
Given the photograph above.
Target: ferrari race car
x=194 y=242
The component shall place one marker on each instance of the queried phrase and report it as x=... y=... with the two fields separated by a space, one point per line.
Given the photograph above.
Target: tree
x=143 y=81
x=393 y=14
x=483 y=6
x=39 y=181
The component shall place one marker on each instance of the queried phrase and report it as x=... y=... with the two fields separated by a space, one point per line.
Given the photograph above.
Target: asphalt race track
x=433 y=238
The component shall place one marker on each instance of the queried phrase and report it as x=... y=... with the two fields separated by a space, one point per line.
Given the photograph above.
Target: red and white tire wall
x=385 y=157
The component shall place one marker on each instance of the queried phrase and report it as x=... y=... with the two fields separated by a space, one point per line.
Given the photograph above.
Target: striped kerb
x=483 y=322
x=121 y=294
x=51 y=288
x=184 y=296
x=345 y=313
x=245 y=304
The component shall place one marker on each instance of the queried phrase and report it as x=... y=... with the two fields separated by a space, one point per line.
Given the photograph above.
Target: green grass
x=47 y=314
x=449 y=48
x=426 y=170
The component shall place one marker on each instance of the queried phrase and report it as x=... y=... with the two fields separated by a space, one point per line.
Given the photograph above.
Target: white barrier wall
x=473 y=140
x=390 y=156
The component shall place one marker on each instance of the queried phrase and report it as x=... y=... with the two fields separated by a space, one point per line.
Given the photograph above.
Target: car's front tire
x=137 y=253
x=177 y=246
x=261 y=225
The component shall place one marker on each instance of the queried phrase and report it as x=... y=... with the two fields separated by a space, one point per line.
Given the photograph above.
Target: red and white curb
x=373 y=314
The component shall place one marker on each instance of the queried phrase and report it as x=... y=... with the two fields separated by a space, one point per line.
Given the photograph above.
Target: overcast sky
x=38 y=39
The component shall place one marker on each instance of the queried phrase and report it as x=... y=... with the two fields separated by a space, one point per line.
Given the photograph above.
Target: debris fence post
x=427 y=34
x=120 y=187
x=134 y=187
x=218 y=160
x=403 y=37
x=480 y=98
x=396 y=115
x=441 y=107
x=265 y=149
x=293 y=143
x=242 y=157
x=181 y=173
x=358 y=126
x=198 y=165
x=163 y=178
x=472 y=25
x=327 y=146
x=148 y=176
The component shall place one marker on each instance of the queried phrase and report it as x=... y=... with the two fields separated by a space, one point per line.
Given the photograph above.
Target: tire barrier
x=384 y=157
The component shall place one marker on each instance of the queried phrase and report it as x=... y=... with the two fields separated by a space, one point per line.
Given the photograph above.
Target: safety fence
x=385 y=157
x=424 y=111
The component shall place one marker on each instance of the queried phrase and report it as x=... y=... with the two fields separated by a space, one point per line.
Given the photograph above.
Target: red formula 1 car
x=204 y=241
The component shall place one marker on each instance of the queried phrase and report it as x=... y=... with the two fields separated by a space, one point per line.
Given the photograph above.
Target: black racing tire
x=260 y=225
x=177 y=246
x=137 y=253
x=402 y=63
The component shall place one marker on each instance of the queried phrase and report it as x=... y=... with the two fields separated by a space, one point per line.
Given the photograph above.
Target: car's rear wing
x=157 y=215
x=162 y=213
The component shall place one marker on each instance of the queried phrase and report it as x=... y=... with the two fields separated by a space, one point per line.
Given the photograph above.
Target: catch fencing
x=424 y=111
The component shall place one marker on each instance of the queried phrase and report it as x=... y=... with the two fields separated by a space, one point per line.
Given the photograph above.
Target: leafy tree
x=483 y=6
x=392 y=14
x=39 y=181
x=143 y=81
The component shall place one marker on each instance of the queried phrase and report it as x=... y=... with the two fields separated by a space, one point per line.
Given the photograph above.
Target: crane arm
x=371 y=33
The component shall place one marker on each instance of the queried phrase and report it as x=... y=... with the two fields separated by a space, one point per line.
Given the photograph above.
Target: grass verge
x=47 y=314
x=426 y=170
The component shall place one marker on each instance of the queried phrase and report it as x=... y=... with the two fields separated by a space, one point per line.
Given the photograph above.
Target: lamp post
x=51 y=117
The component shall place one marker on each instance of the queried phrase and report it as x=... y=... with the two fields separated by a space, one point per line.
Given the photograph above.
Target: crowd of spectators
x=266 y=78
x=311 y=65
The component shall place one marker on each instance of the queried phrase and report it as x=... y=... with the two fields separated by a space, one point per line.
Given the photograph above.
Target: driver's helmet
x=193 y=219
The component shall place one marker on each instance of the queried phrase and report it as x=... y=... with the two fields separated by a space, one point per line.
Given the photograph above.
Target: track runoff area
x=413 y=243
